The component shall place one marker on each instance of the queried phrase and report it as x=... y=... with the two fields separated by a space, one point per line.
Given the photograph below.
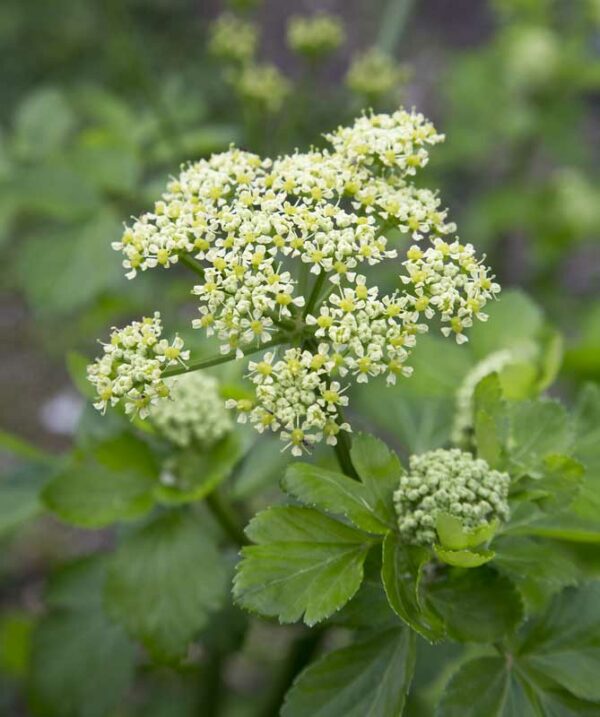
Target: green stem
x=224 y=358
x=314 y=294
x=225 y=516
x=393 y=23
x=192 y=264
x=302 y=651
x=342 y=450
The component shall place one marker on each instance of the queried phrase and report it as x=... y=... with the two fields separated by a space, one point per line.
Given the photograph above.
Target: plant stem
x=342 y=453
x=225 y=516
x=192 y=264
x=302 y=650
x=223 y=358
x=393 y=24
x=314 y=294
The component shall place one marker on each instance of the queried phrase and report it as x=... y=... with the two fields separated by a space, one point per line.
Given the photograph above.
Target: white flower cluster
x=282 y=247
x=453 y=482
x=131 y=368
x=194 y=413
x=315 y=36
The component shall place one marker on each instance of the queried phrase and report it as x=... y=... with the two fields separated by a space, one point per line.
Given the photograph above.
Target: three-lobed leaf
x=305 y=564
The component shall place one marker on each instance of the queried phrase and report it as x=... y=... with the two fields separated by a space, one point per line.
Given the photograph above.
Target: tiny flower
x=315 y=36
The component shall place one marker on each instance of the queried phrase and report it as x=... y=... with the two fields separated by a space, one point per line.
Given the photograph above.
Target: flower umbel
x=282 y=248
x=194 y=412
x=452 y=482
x=131 y=368
x=315 y=36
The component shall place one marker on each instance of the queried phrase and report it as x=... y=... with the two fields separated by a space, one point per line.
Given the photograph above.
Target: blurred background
x=102 y=101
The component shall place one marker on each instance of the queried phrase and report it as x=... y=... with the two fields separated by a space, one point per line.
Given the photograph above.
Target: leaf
x=260 y=468
x=74 y=641
x=476 y=605
x=487 y=687
x=164 y=581
x=370 y=678
x=337 y=494
x=43 y=122
x=564 y=644
x=537 y=429
x=454 y=536
x=51 y=266
x=200 y=471
x=401 y=575
x=113 y=481
x=305 y=564
x=464 y=558
x=379 y=469
x=20 y=495
x=537 y=567
x=559 y=481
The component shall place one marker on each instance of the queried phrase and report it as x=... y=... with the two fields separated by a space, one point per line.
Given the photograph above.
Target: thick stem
x=225 y=516
x=223 y=358
x=302 y=650
x=192 y=264
x=314 y=294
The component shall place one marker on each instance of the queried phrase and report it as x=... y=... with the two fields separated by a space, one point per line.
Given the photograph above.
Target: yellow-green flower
x=315 y=36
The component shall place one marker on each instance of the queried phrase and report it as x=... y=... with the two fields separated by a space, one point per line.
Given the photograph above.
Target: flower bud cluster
x=262 y=85
x=315 y=36
x=233 y=39
x=373 y=75
x=131 y=367
x=453 y=482
x=194 y=413
x=283 y=247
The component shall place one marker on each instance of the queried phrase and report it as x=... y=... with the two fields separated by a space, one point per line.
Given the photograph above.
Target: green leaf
x=538 y=568
x=564 y=644
x=337 y=494
x=559 y=481
x=454 y=536
x=537 y=429
x=260 y=468
x=43 y=122
x=476 y=605
x=379 y=469
x=200 y=471
x=463 y=558
x=370 y=677
x=401 y=574
x=487 y=687
x=113 y=481
x=20 y=495
x=305 y=564
x=51 y=266
x=164 y=581
x=75 y=641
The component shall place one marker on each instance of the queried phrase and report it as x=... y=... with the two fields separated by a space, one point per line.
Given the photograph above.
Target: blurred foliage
x=101 y=102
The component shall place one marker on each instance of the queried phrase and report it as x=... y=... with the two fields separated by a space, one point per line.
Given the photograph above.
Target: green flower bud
x=194 y=413
x=450 y=482
x=374 y=74
x=233 y=39
x=315 y=36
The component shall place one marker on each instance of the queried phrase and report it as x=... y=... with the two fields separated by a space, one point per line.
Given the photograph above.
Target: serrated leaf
x=401 y=572
x=380 y=470
x=20 y=494
x=537 y=567
x=564 y=643
x=463 y=558
x=305 y=565
x=164 y=581
x=113 y=481
x=487 y=687
x=476 y=605
x=337 y=494
x=370 y=678
x=75 y=641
